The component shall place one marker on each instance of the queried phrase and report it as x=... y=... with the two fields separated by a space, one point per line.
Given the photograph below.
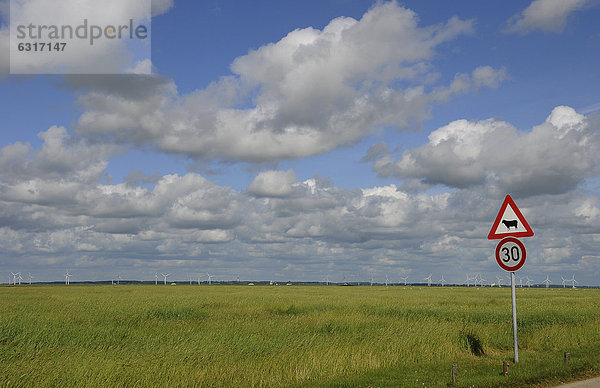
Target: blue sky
x=297 y=140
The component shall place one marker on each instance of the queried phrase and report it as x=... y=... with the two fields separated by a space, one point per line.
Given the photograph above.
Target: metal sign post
x=514 y=312
x=511 y=255
x=510 y=252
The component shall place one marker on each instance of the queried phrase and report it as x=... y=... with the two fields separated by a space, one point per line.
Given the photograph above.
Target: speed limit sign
x=510 y=254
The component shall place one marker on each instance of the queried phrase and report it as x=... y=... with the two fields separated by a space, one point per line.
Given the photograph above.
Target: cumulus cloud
x=161 y=6
x=63 y=208
x=52 y=214
x=57 y=186
x=128 y=87
x=310 y=92
x=273 y=184
x=463 y=83
x=545 y=15
x=59 y=157
x=554 y=157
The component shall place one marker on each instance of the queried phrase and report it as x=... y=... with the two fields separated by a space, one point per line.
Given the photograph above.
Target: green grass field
x=215 y=336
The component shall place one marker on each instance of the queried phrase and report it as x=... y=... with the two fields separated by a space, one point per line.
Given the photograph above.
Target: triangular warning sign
x=510 y=222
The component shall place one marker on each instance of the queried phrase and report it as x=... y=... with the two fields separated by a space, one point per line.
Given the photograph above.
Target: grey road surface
x=591 y=383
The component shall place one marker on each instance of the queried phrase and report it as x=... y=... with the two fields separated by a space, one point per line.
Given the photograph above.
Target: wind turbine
x=520 y=280
x=469 y=279
x=165 y=277
x=29 y=277
x=442 y=281
x=564 y=281
x=405 y=278
x=20 y=278
x=386 y=280
x=209 y=278
x=14 y=278
x=156 y=278
x=572 y=280
x=499 y=281
x=478 y=279
x=68 y=278
x=481 y=280
x=547 y=281
x=428 y=278
x=528 y=282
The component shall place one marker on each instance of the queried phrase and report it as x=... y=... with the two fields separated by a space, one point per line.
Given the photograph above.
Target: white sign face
x=510 y=222
x=510 y=254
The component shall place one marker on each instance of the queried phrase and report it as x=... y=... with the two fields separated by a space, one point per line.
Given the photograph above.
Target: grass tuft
x=474 y=344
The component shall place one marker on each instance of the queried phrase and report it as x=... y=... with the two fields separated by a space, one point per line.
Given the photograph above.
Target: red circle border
x=523 y=251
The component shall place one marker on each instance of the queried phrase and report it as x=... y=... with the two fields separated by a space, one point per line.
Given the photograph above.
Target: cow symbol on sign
x=509 y=222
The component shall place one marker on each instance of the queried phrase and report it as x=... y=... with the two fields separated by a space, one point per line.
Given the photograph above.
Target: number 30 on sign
x=510 y=254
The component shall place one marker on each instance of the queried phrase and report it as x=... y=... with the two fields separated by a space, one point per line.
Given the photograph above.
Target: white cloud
x=545 y=15
x=309 y=93
x=161 y=6
x=554 y=157
x=488 y=76
x=273 y=184
x=587 y=212
x=60 y=157
x=141 y=67
x=55 y=216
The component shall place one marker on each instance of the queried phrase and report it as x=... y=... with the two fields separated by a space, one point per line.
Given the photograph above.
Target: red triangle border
x=509 y=201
